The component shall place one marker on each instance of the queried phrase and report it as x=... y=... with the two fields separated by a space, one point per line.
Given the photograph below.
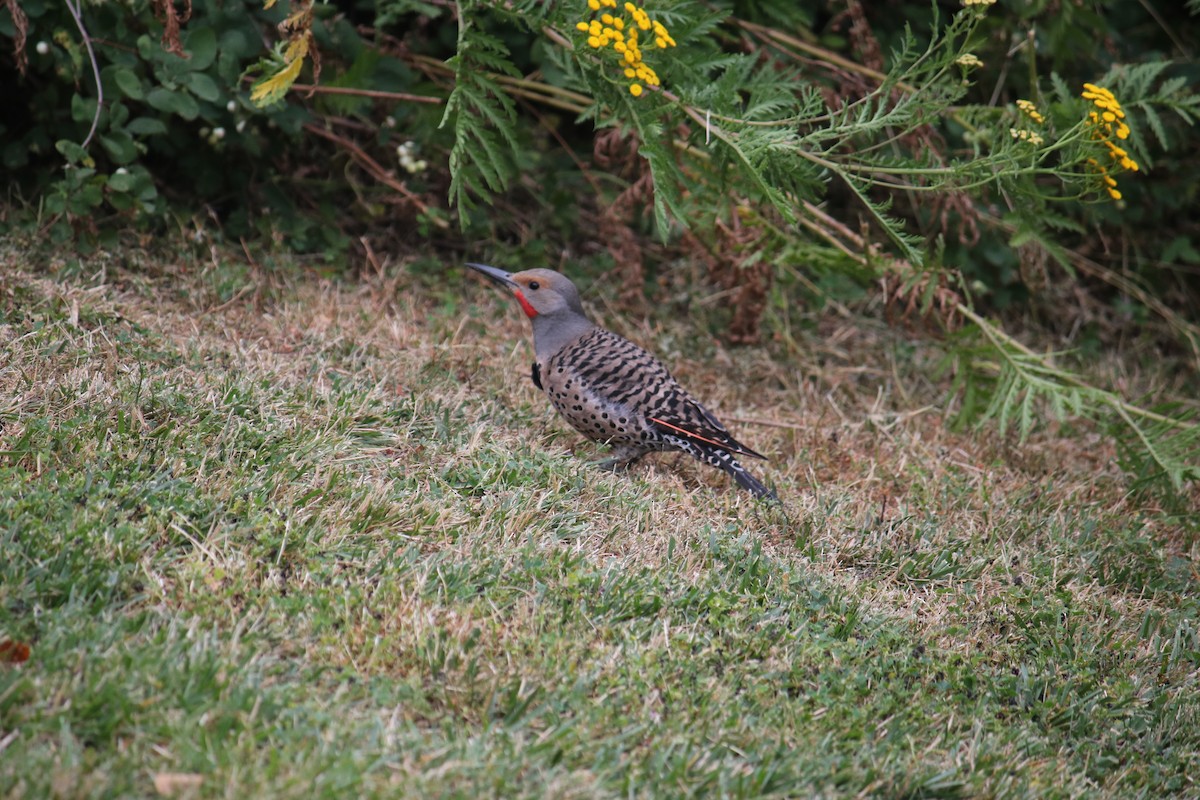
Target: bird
x=610 y=389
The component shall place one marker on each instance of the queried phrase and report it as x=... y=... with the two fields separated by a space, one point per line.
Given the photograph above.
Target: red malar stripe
x=529 y=310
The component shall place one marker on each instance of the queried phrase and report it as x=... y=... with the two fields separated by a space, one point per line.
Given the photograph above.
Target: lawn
x=271 y=536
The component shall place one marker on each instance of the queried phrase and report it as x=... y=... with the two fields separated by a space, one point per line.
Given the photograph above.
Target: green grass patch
x=338 y=550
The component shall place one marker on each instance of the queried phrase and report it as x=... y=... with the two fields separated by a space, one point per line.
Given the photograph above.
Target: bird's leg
x=622 y=457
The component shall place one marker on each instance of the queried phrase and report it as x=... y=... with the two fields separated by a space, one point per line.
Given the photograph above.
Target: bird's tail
x=722 y=459
x=752 y=484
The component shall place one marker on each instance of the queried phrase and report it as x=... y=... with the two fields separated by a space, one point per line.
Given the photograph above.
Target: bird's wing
x=686 y=417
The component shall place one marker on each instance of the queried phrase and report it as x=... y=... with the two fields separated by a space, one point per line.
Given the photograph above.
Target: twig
x=74 y=8
x=768 y=423
x=375 y=168
x=820 y=53
x=1001 y=339
x=403 y=96
x=246 y=250
x=245 y=290
x=544 y=93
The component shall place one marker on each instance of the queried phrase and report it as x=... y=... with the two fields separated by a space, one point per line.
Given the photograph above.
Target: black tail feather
x=750 y=483
x=724 y=460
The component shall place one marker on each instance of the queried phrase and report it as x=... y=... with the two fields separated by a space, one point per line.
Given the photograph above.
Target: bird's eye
x=533 y=285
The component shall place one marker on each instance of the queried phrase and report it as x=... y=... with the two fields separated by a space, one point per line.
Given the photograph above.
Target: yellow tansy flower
x=1107 y=124
x=1031 y=111
x=608 y=30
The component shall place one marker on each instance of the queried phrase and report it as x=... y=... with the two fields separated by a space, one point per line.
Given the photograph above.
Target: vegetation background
x=281 y=515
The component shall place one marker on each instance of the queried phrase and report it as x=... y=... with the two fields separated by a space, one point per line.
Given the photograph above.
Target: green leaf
x=360 y=75
x=128 y=83
x=146 y=126
x=1180 y=249
x=146 y=190
x=1156 y=125
x=147 y=48
x=120 y=146
x=201 y=46
x=121 y=201
x=89 y=196
x=484 y=119
x=395 y=10
x=179 y=103
x=118 y=115
x=74 y=153
x=121 y=181
x=1061 y=90
x=202 y=86
x=83 y=109
x=238 y=45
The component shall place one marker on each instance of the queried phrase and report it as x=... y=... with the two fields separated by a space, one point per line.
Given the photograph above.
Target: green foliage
x=483 y=158
x=728 y=129
x=769 y=131
x=1159 y=448
x=175 y=124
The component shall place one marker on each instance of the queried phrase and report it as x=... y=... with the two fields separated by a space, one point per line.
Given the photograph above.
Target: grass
x=297 y=538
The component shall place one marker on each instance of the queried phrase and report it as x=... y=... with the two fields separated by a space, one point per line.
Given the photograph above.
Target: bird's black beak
x=497 y=276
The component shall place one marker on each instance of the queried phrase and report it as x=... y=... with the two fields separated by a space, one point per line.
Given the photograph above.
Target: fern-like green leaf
x=484 y=117
x=1155 y=122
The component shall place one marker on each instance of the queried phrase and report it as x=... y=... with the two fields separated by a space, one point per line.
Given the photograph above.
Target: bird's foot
x=620 y=461
x=613 y=464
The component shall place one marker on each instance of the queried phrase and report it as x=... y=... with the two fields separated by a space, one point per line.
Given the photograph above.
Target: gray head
x=550 y=301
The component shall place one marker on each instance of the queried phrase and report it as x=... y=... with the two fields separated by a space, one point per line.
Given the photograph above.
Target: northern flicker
x=611 y=390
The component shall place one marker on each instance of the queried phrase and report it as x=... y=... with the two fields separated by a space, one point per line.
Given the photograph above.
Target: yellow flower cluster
x=980 y=3
x=968 y=60
x=623 y=36
x=1032 y=137
x=1026 y=136
x=1107 y=122
x=1110 y=109
x=1031 y=111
